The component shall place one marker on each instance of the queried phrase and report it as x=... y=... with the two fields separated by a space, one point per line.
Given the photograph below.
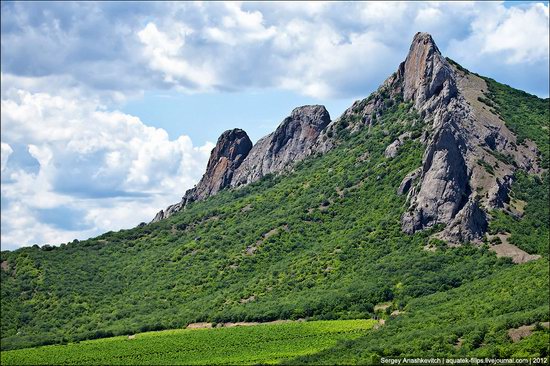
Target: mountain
x=427 y=195
x=457 y=183
x=239 y=163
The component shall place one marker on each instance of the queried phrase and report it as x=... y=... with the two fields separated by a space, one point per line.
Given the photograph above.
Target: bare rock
x=407 y=182
x=230 y=151
x=159 y=216
x=462 y=133
x=468 y=226
x=291 y=142
x=444 y=184
x=426 y=76
x=235 y=162
x=499 y=193
x=232 y=148
x=391 y=150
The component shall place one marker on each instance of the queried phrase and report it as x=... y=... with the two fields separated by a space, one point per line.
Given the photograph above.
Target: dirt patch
x=459 y=343
x=248 y=299
x=4 y=266
x=396 y=313
x=203 y=325
x=430 y=248
x=251 y=249
x=511 y=251
x=240 y=324
x=133 y=336
x=382 y=306
x=247 y=208
x=516 y=334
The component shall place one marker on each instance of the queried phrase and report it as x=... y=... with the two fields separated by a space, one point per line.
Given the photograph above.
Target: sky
x=109 y=110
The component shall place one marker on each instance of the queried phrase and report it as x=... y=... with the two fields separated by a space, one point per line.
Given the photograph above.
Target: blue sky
x=110 y=109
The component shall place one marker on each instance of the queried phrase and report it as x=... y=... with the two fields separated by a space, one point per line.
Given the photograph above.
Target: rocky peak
x=292 y=141
x=235 y=162
x=230 y=151
x=454 y=188
x=425 y=74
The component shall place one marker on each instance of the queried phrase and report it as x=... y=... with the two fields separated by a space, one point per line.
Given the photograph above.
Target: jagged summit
x=451 y=187
x=289 y=143
x=425 y=74
x=235 y=162
x=230 y=151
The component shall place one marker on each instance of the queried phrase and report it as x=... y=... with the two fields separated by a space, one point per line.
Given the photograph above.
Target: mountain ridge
x=450 y=188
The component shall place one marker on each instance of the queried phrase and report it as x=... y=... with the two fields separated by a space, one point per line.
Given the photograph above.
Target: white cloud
x=5 y=154
x=330 y=49
x=107 y=167
x=162 y=50
x=516 y=35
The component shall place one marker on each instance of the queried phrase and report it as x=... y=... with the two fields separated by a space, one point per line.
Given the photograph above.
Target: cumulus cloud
x=317 y=49
x=5 y=154
x=331 y=49
x=519 y=35
x=105 y=167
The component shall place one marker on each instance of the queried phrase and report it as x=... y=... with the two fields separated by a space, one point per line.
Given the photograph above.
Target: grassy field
x=265 y=344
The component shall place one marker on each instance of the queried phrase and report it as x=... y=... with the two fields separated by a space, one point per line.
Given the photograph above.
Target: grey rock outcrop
x=235 y=161
x=498 y=194
x=454 y=189
x=426 y=77
x=391 y=150
x=469 y=224
x=230 y=151
x=408 y=181
x=291 y=142
x=468 y=163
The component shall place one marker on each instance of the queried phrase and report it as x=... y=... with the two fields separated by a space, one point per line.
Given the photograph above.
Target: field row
x=266 y=343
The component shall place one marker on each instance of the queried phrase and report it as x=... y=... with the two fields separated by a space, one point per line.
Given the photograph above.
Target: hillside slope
x=324 y=240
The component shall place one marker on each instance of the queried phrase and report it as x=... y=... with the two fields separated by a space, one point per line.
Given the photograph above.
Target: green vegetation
x=530 y=232
x=323 y=242
x=528 y=116
x=472 y=320
x=336 y=250
x=265 y=344
x=488 y=167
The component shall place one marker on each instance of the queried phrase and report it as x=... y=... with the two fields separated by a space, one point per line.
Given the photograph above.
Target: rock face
x=291 y=142
x=235 y=162
x=463 y=174
x=408 y=181
x=455 y=187
x=230 y=151
x=427 y=78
